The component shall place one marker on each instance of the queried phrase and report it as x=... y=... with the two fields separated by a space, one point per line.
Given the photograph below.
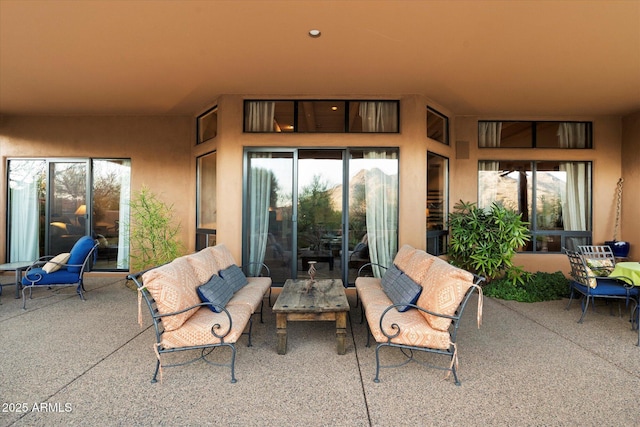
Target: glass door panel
x=111 y=191
x=373 y=209
x=320 y=201
x=67 y=205
x=269 y=233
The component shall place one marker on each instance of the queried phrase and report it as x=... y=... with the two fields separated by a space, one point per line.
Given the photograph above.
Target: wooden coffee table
x=326 y=300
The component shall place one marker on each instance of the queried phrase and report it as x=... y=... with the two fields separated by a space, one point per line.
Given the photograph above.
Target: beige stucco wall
x=630 y=227
x=163 y=155
x=160 y=149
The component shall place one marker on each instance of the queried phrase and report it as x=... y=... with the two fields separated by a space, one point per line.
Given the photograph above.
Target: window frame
x=534 y=134
x=541 y=233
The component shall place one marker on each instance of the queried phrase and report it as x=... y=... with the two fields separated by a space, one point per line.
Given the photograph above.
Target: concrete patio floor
x=90 y=363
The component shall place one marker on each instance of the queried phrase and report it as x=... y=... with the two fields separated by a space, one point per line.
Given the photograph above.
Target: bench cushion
x=414 y=329
x=443 y=290
x=223 y=256
x=252 y=294
x=419 y=265
x=197 y=329
x=203 y=263
x=173 y=287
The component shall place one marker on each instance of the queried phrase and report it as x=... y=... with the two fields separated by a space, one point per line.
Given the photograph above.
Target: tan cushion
x=442 y=291
x=173 y=286
x=223 y=256
x=203 y=264
x=252 y=296
x=418 y=266
x=54 y=263
x=363 y=283
x=373 y=296
x=403 y=256
x=414 y=328
x=197 y=330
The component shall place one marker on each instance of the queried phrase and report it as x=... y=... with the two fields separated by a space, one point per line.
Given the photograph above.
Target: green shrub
x=530 y=287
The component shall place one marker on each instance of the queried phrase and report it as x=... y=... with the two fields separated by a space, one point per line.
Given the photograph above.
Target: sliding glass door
x=335 y=207
x=52 y=203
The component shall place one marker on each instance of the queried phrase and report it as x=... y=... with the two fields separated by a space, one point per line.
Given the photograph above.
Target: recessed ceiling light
x=334 y=108
x=314 y=33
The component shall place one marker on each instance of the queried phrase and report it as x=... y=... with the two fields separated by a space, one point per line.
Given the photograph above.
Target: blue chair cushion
x=79 y=253
x=606 y=287
x=234 y=277
x=400 y=288
x=60 y=277
x=215 y=291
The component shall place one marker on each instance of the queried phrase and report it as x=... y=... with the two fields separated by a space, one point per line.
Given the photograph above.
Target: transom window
x=524 y=134
x=321 y=116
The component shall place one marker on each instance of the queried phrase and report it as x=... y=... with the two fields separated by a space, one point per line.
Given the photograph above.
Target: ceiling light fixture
x=334 y=108
x=314 y=33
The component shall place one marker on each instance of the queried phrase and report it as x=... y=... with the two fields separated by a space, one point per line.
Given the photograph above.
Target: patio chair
x=66 y=269
x=590 y=285
x=599 y=258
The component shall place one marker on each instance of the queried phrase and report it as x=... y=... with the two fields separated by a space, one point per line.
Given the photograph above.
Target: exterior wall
x=630 y=226
x=163 y=153
x=411 y=140
x=159 y=148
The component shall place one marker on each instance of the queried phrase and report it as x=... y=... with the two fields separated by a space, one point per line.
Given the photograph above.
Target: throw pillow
x=54 y=263
x=400 y=288
x=234 y=277
x=600 y=267
x=215 y=291
x=591 y=278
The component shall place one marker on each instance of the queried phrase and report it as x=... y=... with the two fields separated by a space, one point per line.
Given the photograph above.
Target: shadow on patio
x=529 y=364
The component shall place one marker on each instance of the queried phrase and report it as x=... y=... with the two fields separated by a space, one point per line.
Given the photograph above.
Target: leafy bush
x=484 y=241
x=530 y=287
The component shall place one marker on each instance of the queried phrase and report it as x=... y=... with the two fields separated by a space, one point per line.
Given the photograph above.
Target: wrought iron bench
x=417 y=306
x=186 y=316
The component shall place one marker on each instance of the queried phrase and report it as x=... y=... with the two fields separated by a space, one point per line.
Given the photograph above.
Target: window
x=321 y=116
x=207 y=125
x=206 y=201
x=553 y=196
x=437 y=126
x=524 y=134
x=436 y=211
x=47 y=208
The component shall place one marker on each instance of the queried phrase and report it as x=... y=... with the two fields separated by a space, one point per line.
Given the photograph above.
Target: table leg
x=18 y=282
x=281 y=332
x=341 y=332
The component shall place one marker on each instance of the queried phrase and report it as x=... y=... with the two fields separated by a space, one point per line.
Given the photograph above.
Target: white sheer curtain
x=489 y=134
x=259 y=197
x=379 y=116
x=572 y=135
x=260 y=117
x=381 y=195
x=24 y=211
x=574 y=209
x=125 y=196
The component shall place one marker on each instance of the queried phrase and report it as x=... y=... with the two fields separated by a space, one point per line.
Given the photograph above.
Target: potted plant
x=153 y=231
x=484 y=241
x=619 y=249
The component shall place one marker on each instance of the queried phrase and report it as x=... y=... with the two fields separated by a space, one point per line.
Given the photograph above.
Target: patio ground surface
x=68 y=362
